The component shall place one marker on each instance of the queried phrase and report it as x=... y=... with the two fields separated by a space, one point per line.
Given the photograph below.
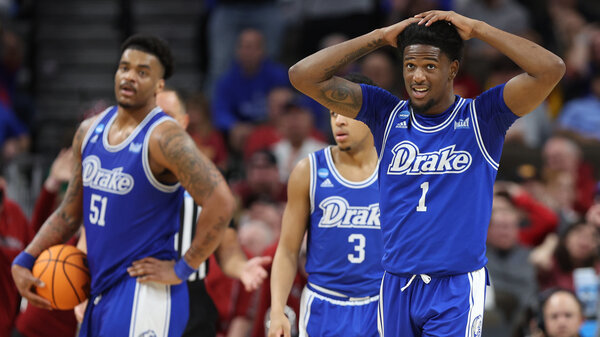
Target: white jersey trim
x=480 y=142
x=342 y=303
x=313 y=181
x=380 y=323
x=345 y=182
x=436 y=128
x=146 y=161
x=90 y=131
x=388 y=127
x=123 y=144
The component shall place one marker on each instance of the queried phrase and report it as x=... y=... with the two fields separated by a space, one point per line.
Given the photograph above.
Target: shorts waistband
x=335 y=295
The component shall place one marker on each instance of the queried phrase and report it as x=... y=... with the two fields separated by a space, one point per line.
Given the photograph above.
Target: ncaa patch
x=323 y=173
x=403 y=114
x=99 y=128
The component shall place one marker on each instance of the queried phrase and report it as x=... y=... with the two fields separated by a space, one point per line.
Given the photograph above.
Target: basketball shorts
x=423 y=306
x=137 y=309
x=325 y=315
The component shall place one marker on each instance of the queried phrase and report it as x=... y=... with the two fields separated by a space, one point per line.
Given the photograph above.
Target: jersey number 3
x=97 y=209
x=359 y=248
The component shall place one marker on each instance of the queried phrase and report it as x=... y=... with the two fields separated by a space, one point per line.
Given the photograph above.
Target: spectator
x=512 y=275
x=14 y=138
x=201 y=128
x=582 y=115
x=262 y=180
x=240 y=94
x=561 y=314
x=538 y=220
x=15 y=234
x=297 y=125
x=381 y=68
x=229 y=17
x=569 y=182
x=34 y=321
x=576 y=248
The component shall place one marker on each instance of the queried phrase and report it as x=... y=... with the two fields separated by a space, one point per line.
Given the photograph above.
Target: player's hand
x=79 y=310
x=25 y=282
x=390 y=33
x=150 y=269
x=279 y=325
x=464 y=25
x=253 y=273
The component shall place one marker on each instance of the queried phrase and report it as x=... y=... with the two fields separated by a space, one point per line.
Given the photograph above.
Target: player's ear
x=453 y=69
x=160 y=85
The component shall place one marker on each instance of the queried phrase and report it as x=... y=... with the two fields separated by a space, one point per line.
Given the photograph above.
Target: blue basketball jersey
x=436 y=175
x=127 y=213
x=344 y=237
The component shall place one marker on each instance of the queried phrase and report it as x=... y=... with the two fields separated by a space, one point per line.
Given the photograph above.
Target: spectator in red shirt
x=15 y=234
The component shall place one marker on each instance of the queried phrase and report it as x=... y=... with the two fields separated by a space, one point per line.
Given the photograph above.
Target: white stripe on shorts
x=151 y=310
x=477 y=302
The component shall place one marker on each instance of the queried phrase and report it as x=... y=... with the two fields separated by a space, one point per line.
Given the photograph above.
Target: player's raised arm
x=285 y=263
x=171 y=147
x=314 y=75
x=58 y=228
x=543 y=69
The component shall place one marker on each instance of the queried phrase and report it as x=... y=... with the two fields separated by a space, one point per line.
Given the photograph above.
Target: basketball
x=64 y=270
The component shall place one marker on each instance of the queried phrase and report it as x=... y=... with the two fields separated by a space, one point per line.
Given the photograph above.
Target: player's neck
x=133 y=116
x=360 y=156
x=446 y=102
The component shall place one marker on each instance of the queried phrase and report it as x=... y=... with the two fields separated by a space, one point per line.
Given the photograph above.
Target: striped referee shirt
x=187 y=229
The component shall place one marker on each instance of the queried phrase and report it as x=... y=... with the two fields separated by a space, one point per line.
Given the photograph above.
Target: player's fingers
x=144 y=260
x=38 y=301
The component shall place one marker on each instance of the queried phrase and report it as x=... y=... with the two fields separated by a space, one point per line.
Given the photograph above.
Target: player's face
x=349 y=133
x=562 y=316
x=138 y=79
x=428 y=75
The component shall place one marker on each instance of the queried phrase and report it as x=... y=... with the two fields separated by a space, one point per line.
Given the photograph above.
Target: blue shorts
x=324 y=315
x=137 y=309
x=424 y=306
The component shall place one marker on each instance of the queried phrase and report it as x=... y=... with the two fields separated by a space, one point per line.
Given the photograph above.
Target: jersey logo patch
x=94 y=139
x=401 y=125
x=338 y=213
x=111 y=181
x=408 y=160
x=135 y=147
x=476 y=326
x=323 y=173
x=326 y=183
x=461 y=124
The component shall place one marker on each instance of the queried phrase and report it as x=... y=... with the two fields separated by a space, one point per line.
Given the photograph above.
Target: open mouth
x=127 y=90
x=419 y=92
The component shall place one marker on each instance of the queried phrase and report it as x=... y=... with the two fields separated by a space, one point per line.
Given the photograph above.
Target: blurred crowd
x=247 y=118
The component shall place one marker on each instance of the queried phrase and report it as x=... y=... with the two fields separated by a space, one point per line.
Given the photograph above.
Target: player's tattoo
x=203 y=251
x=352 y=56
x=340 y=93
x=196 y=173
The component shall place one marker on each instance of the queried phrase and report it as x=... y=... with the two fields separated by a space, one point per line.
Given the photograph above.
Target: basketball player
x=126 y=189
x=438 y=157
x=232 y=260
x=332 y=195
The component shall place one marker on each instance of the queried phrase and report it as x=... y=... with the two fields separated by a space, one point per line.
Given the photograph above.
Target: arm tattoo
x=195 y=172
x=340 y=93
x=210 y=241
x=353 y=55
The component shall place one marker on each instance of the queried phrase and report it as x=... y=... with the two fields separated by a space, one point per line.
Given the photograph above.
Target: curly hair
x=152 y=45
x=441 y=34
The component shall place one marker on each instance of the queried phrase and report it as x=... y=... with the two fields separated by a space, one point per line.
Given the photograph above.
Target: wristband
x=24 y=259
x=183 y=270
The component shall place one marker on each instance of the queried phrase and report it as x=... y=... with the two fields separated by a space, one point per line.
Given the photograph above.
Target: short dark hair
x=441 y=34
x=152 y=45
x=359 y=78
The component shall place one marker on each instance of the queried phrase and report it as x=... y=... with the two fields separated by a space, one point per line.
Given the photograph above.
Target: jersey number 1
x=424 y=189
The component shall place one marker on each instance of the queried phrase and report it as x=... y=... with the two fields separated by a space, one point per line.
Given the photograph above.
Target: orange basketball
x=64 y=270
